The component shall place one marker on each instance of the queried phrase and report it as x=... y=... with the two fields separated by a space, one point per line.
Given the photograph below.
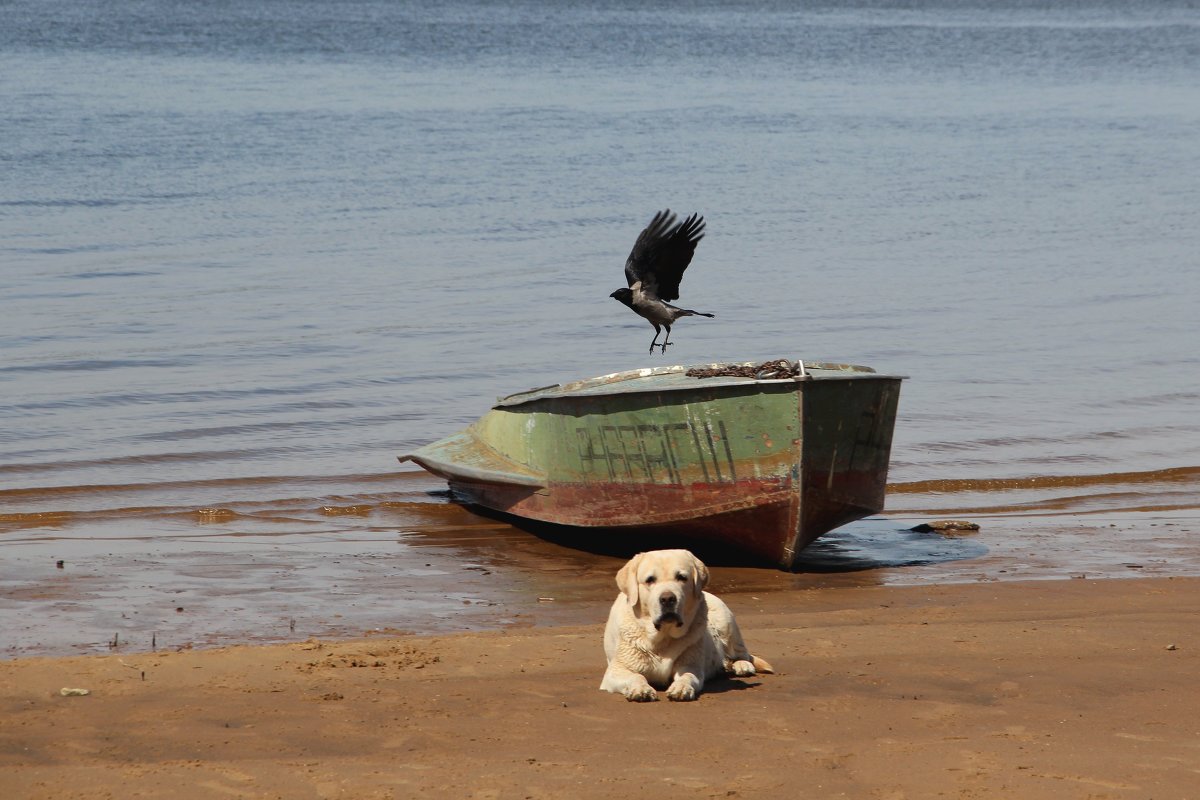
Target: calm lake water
x=250 y=251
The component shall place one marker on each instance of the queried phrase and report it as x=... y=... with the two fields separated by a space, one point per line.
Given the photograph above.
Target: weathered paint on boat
x=764 y=466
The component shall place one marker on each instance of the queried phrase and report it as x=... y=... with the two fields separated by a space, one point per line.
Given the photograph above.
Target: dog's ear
x=699 y=575
x=627 y=580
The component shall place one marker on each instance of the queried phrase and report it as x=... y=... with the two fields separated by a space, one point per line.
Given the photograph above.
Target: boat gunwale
x=585 y=387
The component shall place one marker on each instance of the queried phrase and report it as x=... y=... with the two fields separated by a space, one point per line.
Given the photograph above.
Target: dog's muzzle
x=668 y=605
x=668 y=616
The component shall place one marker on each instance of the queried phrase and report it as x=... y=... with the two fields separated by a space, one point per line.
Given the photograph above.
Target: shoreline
x=1076 y=688
x=440 y=568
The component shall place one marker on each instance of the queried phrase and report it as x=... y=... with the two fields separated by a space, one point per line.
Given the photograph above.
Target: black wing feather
x=662 y=252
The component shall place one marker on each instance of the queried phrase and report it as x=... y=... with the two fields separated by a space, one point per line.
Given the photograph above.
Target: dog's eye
x=650 y=579
x=681 y=578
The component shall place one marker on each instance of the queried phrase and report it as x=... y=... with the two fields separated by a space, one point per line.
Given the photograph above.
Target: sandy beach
x=253 y=252
x=1046 y=689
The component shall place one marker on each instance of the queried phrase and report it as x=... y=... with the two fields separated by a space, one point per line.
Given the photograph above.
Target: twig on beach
x=121 y=661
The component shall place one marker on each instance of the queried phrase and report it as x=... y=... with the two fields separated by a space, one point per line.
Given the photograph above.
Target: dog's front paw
x=682 y=689
x=743 y=669
x=640 y=694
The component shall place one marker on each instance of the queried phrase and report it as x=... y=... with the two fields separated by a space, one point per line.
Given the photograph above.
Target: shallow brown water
x=369 y=563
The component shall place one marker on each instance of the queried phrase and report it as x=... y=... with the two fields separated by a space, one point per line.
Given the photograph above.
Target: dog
x=665 y=631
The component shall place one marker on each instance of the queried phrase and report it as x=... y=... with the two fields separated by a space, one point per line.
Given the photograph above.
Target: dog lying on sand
x=664 y=631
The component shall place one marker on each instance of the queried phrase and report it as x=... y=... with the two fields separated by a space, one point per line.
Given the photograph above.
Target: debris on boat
x=778 y=369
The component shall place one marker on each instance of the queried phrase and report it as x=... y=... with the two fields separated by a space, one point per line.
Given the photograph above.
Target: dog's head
x=664 y=588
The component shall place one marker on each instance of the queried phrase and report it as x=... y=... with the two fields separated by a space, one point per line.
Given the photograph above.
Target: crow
x=654 y=268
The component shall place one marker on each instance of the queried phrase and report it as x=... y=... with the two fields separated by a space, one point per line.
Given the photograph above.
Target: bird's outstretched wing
x=662 y=252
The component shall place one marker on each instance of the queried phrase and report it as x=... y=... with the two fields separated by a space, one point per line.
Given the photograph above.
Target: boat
x=760 y=458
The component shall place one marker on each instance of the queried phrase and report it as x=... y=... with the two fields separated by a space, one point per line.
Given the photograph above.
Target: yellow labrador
x=665 y=631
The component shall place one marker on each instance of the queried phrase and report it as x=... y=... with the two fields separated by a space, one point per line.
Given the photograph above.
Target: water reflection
x=871 y=544
x=878 y=543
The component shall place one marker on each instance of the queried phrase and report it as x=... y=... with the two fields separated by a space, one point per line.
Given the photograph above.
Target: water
x=249 y=251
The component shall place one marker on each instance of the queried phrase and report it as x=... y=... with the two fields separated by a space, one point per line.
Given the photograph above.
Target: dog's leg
x=736 y=656
x=686 y=686
x=742 y=669
x=633 y=685
x=738 y=661
x=746 y=665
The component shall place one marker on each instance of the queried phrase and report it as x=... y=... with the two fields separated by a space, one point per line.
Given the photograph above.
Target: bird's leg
x=664 y=341
x=657 y=331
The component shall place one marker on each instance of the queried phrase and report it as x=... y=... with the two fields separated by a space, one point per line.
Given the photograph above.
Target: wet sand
x=1048 y=689
x=413 y=562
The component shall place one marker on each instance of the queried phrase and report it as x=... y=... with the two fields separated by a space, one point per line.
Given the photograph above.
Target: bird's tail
x=687 y=312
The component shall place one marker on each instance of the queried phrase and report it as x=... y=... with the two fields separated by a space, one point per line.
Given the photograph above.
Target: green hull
x=762 y=466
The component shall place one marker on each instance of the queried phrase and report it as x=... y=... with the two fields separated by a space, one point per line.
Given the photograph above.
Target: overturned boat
x=761 y=458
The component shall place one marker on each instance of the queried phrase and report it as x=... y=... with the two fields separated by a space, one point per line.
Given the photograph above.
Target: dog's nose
x=667 y=599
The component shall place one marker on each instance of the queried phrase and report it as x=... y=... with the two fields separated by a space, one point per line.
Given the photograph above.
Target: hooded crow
x=654 y=268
